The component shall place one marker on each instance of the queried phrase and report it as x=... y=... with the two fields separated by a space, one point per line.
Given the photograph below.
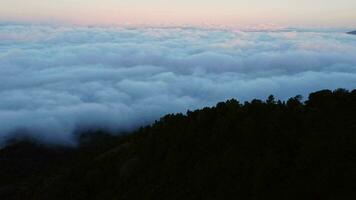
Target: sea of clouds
x=57 y=80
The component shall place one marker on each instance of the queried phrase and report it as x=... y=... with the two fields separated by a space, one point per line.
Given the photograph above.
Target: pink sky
x=321 y=13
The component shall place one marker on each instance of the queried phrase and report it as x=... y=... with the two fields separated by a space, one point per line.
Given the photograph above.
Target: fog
x=57 y=80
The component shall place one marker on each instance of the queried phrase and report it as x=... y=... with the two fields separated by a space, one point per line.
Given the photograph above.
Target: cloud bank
x=56 y=80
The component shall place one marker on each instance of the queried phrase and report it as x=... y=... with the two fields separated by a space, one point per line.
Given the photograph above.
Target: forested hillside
x=262 y=149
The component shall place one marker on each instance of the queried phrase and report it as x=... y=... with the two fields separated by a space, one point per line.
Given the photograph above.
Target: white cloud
x=55 y=80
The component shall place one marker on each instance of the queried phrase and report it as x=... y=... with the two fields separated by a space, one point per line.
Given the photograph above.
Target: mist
x=56 y=80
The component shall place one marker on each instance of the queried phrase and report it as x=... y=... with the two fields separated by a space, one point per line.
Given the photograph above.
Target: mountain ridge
x=260 y=149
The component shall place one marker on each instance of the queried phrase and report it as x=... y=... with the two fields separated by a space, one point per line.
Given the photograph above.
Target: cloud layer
x=55 y=80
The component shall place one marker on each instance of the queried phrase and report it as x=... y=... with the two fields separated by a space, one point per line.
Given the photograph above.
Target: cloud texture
x=55 y=80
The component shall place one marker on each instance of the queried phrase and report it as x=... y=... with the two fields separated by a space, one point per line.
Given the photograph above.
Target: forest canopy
x=260 y=149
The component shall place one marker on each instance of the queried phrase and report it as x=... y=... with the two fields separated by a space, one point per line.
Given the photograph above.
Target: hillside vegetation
x=252 y=150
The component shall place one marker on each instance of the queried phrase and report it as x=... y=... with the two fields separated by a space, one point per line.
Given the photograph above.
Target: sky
x=69 y=65
x=315 y=13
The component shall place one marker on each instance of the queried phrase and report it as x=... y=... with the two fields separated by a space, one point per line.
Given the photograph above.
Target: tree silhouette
x=253 y=150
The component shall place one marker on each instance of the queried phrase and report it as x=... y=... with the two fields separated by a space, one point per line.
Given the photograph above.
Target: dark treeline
x=253 y=150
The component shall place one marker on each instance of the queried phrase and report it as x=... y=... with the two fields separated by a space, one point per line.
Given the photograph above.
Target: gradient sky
x=321 y=13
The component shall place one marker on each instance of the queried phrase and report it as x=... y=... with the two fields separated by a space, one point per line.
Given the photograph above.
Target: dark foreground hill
x=352 y=33
x=255 y=150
